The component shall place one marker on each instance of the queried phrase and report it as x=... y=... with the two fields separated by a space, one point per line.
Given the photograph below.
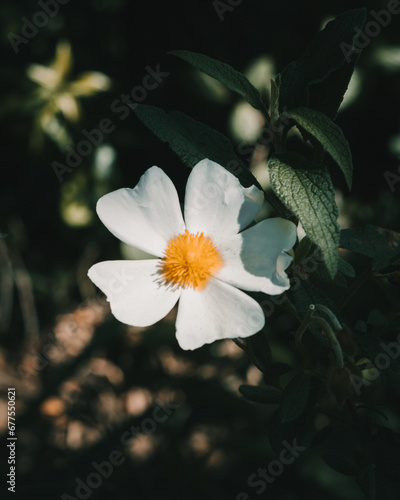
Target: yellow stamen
x=190 y=261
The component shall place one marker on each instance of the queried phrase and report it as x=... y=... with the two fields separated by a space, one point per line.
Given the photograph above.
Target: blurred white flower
x=57 y=94
x=201 y=261
x=388 y=57
x=245 y=122
x=260 y=72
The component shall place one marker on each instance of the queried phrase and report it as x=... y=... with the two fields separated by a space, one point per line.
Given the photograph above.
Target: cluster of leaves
x=307 y=95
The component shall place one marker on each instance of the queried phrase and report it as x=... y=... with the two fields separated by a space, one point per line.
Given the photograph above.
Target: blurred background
x=82 y=379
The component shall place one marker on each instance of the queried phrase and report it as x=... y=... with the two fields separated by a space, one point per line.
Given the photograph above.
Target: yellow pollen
x=190 y=260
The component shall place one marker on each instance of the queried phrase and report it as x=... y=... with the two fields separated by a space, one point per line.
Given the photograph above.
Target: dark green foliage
x=381 y=245
x=193 y=141
x=225 y=74
x=322 y=58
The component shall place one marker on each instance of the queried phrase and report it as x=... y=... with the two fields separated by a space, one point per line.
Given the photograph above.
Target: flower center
x=190 y=261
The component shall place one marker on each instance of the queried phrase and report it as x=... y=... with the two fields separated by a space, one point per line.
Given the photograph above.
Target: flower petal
x=48 y=78
x=145 y=217
x=255 y=259
x=219 y=311
x=89 y=83
x=69 y=106
x=136 y=297
x=63 y=60
x=217 y=204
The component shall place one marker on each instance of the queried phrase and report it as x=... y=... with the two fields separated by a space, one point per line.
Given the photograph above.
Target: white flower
x=201 y=261
x=59 y=94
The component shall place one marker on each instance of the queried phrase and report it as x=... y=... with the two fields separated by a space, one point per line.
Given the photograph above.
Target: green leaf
x=310 y=196
x=294 y=398
x=278 y=369
x=274 y=106
x=329 y=50
x=341 y=463
x=339 y=451
x=387 y=455
x=260 y=351
x=225 y=74
x=328 y=134
x=299 y=431
x=345 y=269
x=193 y=141
x=376 y=318
x=327 y=96
x=266 y=395
x=382 y=245
x=303 y=249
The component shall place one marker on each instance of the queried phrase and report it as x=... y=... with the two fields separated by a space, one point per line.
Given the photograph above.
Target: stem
x=332 y=317
x=332 y=340
x=278 y=134
x=267 y=119
x=291 y=309
x=245 y=348
x=303 y=327
x=387 y=275
x=284 y=137
x=240 y=344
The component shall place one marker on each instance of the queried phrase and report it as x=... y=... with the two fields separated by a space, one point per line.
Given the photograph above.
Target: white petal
x=217 y=204
x=145 y=217
x=63 y=60
x=89 y=83
x=44 y=76
x=253 y=202
x=220 y=311
x=136 y=297
x=69 y=106
x=255 y=259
